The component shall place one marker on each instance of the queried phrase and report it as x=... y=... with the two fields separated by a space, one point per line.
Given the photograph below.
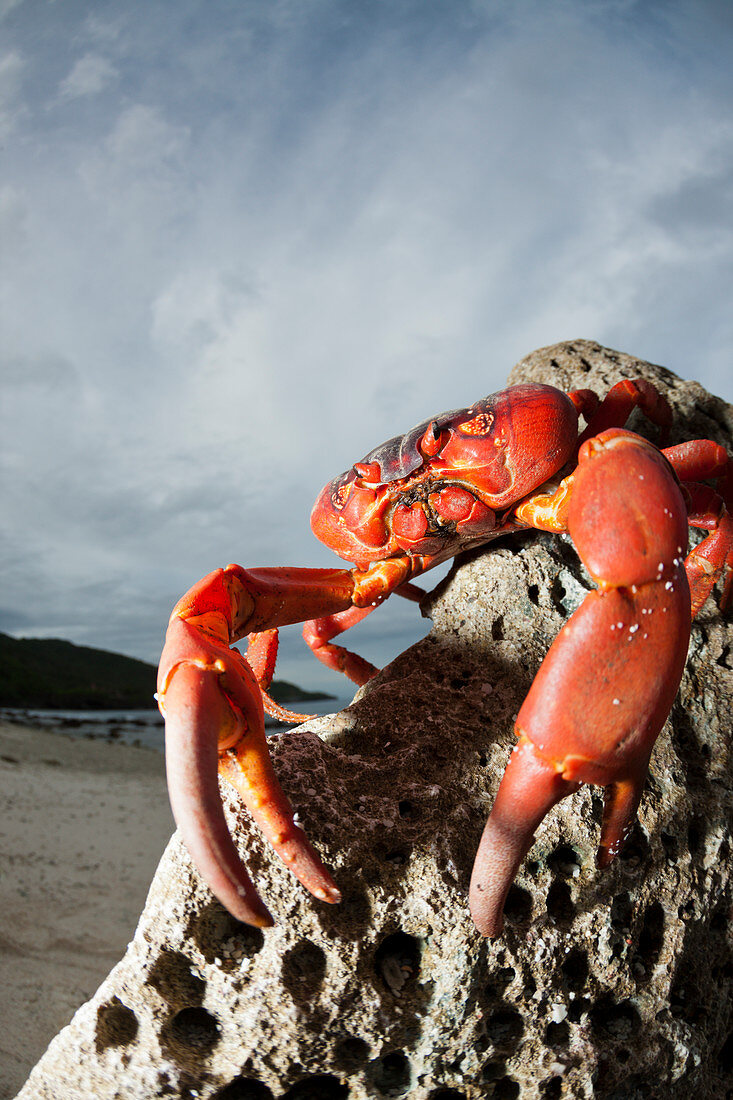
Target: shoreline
x=135 y=727
x=83 y=827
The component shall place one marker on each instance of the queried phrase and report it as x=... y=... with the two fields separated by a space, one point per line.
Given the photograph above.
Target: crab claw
x=215 y=728
x=193 y=786
x=609 y=679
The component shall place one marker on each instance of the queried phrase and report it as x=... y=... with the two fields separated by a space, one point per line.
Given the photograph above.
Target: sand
x=82 y=827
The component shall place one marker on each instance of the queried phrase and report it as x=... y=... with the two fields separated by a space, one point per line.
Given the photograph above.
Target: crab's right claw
x=191 y=704
x=215 y=726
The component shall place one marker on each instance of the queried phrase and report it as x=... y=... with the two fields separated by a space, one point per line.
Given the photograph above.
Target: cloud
x=140 y=164
x=90 y=75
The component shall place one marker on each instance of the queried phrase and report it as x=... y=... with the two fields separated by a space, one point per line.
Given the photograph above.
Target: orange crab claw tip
x=245 y=906
x=330 y=894
x=486 y=912
x=619 y=814
x=258 y=920
x=530 y=787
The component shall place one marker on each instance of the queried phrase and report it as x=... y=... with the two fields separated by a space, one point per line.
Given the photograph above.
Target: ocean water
x=135 y=727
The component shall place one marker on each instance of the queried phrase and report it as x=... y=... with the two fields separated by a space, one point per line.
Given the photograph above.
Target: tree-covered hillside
x=48 y=672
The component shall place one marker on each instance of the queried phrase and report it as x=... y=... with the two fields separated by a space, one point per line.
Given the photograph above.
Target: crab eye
x=368 y=471
x=433 y=440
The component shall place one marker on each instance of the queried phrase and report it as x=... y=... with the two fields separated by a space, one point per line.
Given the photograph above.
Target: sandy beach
x=82 y=828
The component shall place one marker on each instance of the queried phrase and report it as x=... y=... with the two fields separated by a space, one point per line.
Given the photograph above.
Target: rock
x=612 y=984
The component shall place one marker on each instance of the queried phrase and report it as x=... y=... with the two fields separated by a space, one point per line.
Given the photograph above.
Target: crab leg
x=261 y=656
x=617 y=405
x=709 y=510
x=609 y=679
x=319 y=632
x=212 y=704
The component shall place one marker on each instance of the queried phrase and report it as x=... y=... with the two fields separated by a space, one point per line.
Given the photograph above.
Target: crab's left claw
x=610 y=677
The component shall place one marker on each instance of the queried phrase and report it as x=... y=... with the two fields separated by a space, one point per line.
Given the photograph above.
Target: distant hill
x=48 y=672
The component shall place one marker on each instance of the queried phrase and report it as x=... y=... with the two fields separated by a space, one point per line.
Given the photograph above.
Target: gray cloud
x=89 y=75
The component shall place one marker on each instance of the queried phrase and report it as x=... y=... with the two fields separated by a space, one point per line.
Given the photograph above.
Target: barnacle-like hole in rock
x=492 y=1071
x=397 y=961
x=578 y=1008
x=244 y=1088
x=669 y=843
x=695 y=835
x=686 y=911
x=560 y=903
x=497 y=629
x=575 y=969
x=391 y=1074
x=533 y=592
x=651 y=937
x=518 y=905
x=458 y=683
x=504 y=1029
x=621 y=912
x=303 y=970
x=116 y=1025
x=615 y=1020
x=558 y=593
x=552 y=1089
x=557 y=1035
x=193 y=1029
x=397 y=857
x=320 y=1086
x=172 y=978
x=636 y=850
x=406 y=809
x=564 y=861
x=351 y=1052
x=220 y=936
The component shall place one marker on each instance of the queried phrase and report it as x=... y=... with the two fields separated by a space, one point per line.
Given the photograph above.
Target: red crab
x=605 y=688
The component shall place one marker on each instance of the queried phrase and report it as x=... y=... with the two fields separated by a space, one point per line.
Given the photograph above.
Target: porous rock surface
x=611 y=984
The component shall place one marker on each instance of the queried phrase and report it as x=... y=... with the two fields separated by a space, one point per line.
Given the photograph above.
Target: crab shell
x=439 y=486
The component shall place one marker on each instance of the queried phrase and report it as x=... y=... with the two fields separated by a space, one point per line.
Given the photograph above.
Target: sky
x=245 y=241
